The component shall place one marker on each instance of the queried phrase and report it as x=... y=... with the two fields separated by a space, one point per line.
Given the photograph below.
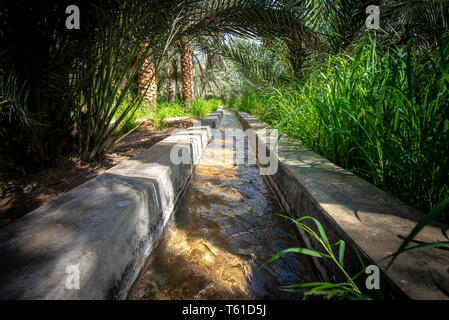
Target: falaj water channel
x=225 y=227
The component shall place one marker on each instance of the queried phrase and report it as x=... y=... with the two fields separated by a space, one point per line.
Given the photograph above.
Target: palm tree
x=48 y=76
x=147 y=82
x=171 y=81
x=186 y=70
x=249 y=18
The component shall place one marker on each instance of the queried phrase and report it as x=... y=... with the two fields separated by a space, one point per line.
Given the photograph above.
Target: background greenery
x=372 y=101
x=60 y=89
x=375 y=103
x=380 y=113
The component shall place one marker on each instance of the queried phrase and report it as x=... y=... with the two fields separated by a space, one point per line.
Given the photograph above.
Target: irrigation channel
x=226 y=226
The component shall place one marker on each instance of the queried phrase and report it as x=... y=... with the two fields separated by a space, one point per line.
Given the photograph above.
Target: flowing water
x=224 y=229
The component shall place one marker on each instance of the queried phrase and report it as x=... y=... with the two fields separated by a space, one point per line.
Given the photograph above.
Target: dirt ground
x=21 y=195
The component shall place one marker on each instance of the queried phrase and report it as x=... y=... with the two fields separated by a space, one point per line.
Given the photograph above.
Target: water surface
x=225 y=227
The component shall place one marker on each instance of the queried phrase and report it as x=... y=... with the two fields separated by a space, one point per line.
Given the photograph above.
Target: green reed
x=383 y=114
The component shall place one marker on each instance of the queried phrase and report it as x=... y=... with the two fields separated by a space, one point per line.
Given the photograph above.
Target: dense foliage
x=374 y=102
x=60 y=89
x=377 y=106
x=383 y=115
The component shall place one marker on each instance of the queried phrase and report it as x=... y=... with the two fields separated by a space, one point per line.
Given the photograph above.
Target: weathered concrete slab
x=212 y=120
x=364 y=216
x=174 y=119
x=105 y=227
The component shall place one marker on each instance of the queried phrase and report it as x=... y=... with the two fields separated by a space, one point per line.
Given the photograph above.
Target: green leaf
x=306 y=251
x=320 y=230
x=316 y=284
x=341 y=252
x=433 y=214
x=423 y=246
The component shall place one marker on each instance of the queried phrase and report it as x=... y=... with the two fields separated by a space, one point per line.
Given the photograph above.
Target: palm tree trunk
x=171 y=90
x=296 y=55
x=172 y=81
x=186 y=71
x=147 y=83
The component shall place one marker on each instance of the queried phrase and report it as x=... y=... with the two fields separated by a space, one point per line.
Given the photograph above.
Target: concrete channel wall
x=103 y=230
x=365 y=217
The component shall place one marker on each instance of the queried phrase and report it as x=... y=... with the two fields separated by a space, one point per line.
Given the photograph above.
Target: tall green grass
x=204 y=107
x=166 y=109
x=382 y=114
